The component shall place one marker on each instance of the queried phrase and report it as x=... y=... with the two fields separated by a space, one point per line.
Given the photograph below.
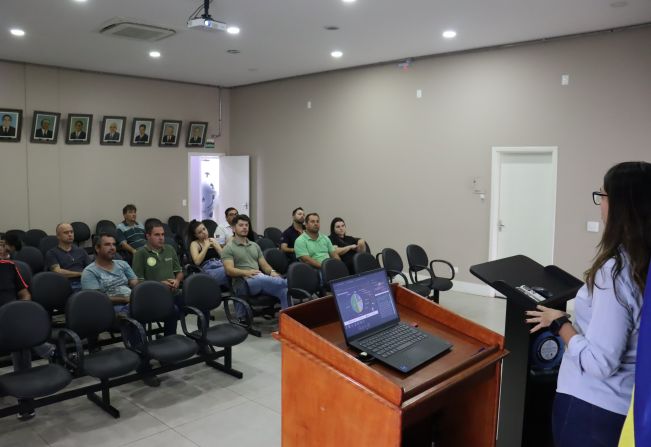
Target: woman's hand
x=542 y=317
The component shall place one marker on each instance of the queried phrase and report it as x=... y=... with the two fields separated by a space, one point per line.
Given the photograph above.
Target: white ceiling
x=282 y=38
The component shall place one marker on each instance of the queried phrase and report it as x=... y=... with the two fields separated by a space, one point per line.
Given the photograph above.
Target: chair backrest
x=32 y=257
x=416 y=258
x=89 y=312
x=276 y=259
x=51 y=290
x=168 y=231
x=25 y=271
x=33 y=237
x=210 y=225
x=23 y=324
x=332 y=269
x=151 y=301
x=105 y=226
x=302 y=276
x=202 y=291
x=363 y=262
x=82 y=232
x=47 y=243
x=175 y=222
x=265 y=243
x=19 y=233
x=391 y=260
x=273 y=233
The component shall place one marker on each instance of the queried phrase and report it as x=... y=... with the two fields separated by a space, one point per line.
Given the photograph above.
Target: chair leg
x=105 y=401
x=25 y=409
x=435 y=296
x=227 y=366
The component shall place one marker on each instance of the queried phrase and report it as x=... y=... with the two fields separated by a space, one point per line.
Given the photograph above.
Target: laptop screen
x=364 y=301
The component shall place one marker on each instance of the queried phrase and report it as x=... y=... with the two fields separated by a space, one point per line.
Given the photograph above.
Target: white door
x=523 y=203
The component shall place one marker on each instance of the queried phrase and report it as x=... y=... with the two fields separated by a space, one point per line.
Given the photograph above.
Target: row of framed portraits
x=45 y=129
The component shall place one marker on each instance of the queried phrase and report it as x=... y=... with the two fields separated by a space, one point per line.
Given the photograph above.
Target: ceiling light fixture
x=349 y=1
x=449 y=34
x=154 y=54
x=336 y=54
x=81 y=1
x=17 y=32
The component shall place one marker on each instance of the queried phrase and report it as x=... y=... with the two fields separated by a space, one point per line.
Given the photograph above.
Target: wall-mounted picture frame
x=11 y=125
x=196 y=134
x=170 y=132
x=142 y=130
x=80 y=126
x=113 y=129
x=45 y=127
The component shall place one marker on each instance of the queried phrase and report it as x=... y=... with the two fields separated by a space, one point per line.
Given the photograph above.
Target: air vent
x=137 y=31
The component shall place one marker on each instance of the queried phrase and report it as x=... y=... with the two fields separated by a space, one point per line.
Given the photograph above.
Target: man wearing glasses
x=225 y=232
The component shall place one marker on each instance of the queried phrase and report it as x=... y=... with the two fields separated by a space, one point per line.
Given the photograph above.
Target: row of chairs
x=26 y=324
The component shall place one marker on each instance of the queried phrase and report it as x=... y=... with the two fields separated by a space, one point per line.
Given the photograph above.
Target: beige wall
x=399 y=169
x=45 y=184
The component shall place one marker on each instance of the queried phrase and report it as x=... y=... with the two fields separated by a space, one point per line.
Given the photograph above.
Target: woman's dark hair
x=192 y=228
x=14 y=241
x=333 y=223
x=628 y=224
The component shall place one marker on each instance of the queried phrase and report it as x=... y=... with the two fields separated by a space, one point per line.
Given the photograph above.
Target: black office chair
x=302 y=282
x=89 y=313
x=277 y=260
x=152 y=301
x=210 y=225
x=47 y=243
x=273 y=233
x=201 y=295
x=175 y=223
x=51 y=290
x=265 y=243
x=392 y=263
x=418 y=262
x=19 y=233
x=23 y=326
x=332 y=269
x=261 y=305
x=25 y=271
x=105 y=226
x=82 y=232
x=31 y=256
x=364 y=262
x=33 y=237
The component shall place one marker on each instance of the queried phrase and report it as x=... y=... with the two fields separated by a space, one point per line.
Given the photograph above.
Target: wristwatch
x=556 y=325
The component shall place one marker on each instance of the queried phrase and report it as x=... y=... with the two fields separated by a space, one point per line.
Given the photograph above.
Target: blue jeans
x=215 y=268
x=268 y=285
x=576 y=423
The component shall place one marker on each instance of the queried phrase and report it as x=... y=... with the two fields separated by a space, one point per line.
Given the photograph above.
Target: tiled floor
x=195 y=406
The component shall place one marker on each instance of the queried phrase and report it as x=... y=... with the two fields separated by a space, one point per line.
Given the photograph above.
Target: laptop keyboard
x=392 y=340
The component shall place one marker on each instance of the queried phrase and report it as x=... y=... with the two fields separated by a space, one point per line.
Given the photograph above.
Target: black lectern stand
x=529 y=372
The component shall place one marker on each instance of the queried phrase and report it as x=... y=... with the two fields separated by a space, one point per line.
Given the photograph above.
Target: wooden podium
x=330 y=398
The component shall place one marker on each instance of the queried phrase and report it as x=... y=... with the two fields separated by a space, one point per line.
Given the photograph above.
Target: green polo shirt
x=152 y=265
x=318 y=249
x=244 y=255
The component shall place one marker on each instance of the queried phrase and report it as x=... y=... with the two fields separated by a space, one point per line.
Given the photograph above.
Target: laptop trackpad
x=419 y=353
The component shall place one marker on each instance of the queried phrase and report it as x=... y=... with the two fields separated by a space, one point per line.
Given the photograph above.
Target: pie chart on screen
x=357 y=303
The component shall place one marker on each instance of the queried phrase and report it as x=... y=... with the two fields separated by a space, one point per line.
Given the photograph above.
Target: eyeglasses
x=597 y=195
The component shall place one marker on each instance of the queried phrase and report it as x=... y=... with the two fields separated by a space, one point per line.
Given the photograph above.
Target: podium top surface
x=315 y=328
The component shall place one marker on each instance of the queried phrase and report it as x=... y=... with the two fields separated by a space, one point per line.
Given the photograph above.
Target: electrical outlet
x=593 y=226
x=309 y=104
x=184 y=202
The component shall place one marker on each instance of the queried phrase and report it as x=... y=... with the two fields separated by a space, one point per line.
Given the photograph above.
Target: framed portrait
x=112 y=132
x=196 y=134
x=45 y=127
x=79 y=128
x=11 y=125
x=170 y=132
x=142 y=130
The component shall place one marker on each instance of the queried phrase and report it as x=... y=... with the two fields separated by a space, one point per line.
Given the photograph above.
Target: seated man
x=313 y=247
x=243 y=261
x=66 y=258
x=157 y=261
x=130 y=233
x=225 y=232
x=110 y=276
x=292 y=233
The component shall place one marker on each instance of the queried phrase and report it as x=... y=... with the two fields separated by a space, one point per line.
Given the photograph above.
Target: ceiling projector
x=207 y=23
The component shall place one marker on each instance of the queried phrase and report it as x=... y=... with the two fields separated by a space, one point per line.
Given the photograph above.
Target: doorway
x=217 y=182
x=523 y=203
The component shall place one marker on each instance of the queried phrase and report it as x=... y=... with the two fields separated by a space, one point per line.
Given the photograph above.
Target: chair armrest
x=126 y=324
x=247 y=307
x=394 y=273
x=78 y=364
x=202 y=324
x=441 y=261
x=301 y=292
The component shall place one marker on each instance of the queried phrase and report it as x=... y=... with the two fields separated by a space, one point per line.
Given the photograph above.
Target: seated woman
x=206 y=252
x=346 y=246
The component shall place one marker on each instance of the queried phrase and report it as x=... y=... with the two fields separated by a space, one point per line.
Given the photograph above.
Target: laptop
x=371 y=323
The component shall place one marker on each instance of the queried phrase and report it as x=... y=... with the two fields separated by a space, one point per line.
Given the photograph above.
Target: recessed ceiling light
x=349 y=1
x=17 y=32
x=449 y=34
x=81 y=1
x=154 y=54
x=336 y=54
x=233 y=30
